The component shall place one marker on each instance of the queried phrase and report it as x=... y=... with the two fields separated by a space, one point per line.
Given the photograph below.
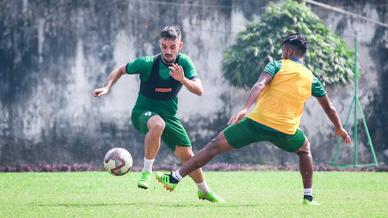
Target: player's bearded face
x=170 y=49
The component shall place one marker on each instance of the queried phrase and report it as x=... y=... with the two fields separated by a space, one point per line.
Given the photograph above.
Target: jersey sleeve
x=317 y=89
x=137 y=66
x=188 y=67
x=273 y=67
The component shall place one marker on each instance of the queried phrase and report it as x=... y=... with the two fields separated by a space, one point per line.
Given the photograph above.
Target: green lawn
x=248 y=194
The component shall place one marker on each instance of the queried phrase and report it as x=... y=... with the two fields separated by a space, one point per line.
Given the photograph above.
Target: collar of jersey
x=296 y=60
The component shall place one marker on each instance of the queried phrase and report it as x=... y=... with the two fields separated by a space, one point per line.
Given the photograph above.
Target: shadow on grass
x=176 y=205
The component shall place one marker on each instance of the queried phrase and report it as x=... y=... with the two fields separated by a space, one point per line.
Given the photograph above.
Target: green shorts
x=173 y=134
x=248 y=131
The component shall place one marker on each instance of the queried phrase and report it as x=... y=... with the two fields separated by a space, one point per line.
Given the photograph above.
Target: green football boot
x=211 y=196
x=167 y=181
x=310 y=203
x=144 y=181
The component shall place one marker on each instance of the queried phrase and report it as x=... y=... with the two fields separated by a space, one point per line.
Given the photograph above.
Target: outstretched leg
x=184 y=154
x=212 y=149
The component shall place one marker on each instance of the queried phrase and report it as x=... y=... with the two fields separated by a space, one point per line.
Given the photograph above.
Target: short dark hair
x=298 y=41
x=170 y=32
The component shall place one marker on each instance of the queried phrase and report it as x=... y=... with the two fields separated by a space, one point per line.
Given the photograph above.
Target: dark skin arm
x=331 y=112
x=255 y=92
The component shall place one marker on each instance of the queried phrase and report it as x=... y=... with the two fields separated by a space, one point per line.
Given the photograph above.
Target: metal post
x=356 y=105
x=355 y=101
x=368 y=135
x=355 y=77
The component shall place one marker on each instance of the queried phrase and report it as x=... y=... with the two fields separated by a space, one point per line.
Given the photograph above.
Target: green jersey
x=143 y=67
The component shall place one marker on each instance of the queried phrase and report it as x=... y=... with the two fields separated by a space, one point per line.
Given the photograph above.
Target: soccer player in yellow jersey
x=280 y=93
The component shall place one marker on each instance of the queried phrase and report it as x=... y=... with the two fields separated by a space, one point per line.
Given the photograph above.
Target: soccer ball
x=118 y=161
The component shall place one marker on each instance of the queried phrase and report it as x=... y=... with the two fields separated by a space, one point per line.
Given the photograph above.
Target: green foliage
x=328 y=56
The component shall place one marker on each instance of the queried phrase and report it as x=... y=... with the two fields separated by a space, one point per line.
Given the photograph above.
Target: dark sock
x=308 y=197
x=172 y=179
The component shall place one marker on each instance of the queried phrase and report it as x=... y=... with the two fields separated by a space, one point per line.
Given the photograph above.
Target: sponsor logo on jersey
x=163 y=90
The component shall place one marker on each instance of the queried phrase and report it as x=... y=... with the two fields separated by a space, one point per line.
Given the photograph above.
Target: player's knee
x=305 y=149
x=184 y=154
x=189 y=154
x=157 y=125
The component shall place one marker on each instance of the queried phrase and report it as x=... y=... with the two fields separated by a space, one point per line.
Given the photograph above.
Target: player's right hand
x=100 y=92
x=236 y=118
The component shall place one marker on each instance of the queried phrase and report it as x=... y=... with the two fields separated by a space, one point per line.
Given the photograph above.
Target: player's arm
x=113 y=77
x=194 y=85
x=331 y=112
x=255 y=92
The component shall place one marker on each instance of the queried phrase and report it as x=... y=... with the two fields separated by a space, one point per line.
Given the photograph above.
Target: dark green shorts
x=173 y=134
x=248 y=131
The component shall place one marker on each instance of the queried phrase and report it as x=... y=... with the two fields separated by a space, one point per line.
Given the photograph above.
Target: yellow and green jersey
x=281 y=104
x=143 y=67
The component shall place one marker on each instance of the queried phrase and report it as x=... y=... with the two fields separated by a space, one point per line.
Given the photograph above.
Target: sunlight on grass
x=248 y=194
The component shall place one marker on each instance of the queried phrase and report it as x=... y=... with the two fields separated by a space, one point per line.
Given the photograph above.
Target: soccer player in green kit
x=154 y=113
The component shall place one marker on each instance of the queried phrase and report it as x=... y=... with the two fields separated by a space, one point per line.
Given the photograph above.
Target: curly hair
x=297 y=41
x=171 y=32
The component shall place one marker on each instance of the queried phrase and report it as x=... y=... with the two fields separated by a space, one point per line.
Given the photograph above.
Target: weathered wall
x=53 y=53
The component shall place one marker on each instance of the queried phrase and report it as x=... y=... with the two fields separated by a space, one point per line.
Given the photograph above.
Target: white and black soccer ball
x=118 y=161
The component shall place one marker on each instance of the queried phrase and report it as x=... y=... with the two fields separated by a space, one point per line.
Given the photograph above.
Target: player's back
x=281 y=104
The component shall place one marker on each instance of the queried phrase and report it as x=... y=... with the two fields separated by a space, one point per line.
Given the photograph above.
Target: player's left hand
x=341 y=132
x=239 y=116
x=176 y=72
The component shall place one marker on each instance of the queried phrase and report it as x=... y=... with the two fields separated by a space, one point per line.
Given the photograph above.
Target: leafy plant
x=328 y=56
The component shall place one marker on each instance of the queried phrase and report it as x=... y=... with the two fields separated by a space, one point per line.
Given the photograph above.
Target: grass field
x=248 y=194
